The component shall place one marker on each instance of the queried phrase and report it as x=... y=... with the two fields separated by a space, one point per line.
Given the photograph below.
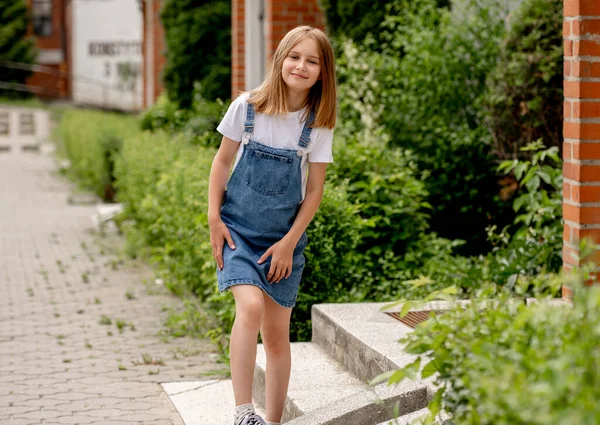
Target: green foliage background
x=15 y=46
x=502 y=362
x=198 y=38
x=525 y=90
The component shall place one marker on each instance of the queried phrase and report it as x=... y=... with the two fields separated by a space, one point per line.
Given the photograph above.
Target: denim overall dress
x=261 y=202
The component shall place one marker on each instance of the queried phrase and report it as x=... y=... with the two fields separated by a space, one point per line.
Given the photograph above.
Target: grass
x=32 y=102
x=105 y=320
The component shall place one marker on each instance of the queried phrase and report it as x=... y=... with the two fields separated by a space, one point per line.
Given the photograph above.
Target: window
x=42 y=17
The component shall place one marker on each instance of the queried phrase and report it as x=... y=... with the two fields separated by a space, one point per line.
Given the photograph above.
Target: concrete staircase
x=352 y=344
x=23 y=129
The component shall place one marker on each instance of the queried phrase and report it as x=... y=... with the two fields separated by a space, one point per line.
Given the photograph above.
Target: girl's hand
x=281 y=263
x=218 y=234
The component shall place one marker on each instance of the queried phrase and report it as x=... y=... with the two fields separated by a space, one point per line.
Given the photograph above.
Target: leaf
x=544 y=176
x=429 y=370
x=519 y=169
x=392 y=305
x=381 y=378
x=512 y=279
x=397 y=377
x=435 y=404
x=450 y=290
x=406 y=308
x=533 y=184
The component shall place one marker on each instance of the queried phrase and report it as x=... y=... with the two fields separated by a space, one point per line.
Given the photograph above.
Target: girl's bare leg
x=275 y=333
x=249 y=314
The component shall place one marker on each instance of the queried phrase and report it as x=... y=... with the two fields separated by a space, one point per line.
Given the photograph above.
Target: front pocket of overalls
x=268 y=174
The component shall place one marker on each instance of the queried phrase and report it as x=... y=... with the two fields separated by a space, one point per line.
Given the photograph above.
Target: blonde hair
x=270 y=96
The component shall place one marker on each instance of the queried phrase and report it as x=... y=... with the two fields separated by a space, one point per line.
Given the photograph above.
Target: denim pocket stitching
x=282 y=160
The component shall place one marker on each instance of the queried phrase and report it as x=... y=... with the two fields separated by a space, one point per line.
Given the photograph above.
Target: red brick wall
x=280 y=16
x=160 y=50
x=581 y=195
x=159 y=59
x=237 y=47
x=48 y=86
x=283 y=15
x=53 y=41
x=53 y=85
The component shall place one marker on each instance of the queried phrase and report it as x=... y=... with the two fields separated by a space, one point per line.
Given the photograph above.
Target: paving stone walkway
x=79 y=340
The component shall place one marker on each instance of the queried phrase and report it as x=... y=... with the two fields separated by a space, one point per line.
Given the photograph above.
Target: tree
x=15 y=46
x=198 y=38
x=357 y=18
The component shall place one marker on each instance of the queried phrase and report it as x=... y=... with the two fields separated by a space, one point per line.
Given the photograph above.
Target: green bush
x=525 y=89
x=428 y=78
x=92 y=141
x=198 y=38
x=532 y=248
x=15 y=45
x=164 y=115
x=503 y=363
x=163 y=182
x=358 y=19
x=198 y=122
x=331 y=257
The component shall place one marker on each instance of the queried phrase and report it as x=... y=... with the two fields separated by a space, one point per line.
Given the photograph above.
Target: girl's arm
x=219 y=172
x=282 y=251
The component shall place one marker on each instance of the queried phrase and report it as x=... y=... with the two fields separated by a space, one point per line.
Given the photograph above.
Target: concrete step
x=322 y=392
x=316 y=380
x=363 y=338
x=407 y=419
x=204 y=402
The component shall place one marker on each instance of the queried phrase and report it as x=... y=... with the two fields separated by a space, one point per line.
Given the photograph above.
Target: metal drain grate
x=413 y=318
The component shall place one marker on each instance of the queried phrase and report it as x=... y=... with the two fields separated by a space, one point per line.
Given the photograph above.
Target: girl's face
x=301 y=67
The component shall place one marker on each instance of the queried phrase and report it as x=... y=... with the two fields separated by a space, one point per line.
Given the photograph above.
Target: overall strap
x=305 y=136
x=249 y=124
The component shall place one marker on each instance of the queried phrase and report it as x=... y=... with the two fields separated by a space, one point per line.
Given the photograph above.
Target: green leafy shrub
x=164 y=115
x=15 y=45
x=532 y=248
x=525 y=89
x=331 y=257
x=503 y=363
x=163 y=182
x=428 y=78
x=92 y=141
x=198 y=122
x=358 y=19
x=198 y=48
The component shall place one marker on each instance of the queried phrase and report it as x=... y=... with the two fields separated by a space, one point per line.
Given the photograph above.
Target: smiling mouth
x=299 y=76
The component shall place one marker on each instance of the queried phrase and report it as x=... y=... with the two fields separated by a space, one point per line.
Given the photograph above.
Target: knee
x=250 y=313
x=276 y=348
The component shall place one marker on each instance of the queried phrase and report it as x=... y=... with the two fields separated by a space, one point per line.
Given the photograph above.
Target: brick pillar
x=237 y=47
x=283 y=15
x=153 y=52
x=160 y=50
x=581 y=168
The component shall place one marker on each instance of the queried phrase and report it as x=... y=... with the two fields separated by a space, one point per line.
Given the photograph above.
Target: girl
x=258 y=217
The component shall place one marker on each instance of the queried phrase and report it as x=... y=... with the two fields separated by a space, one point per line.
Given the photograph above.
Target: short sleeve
x=322 y=150
x=232 y=124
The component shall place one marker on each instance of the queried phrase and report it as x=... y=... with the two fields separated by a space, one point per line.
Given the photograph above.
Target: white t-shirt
x=278 y=131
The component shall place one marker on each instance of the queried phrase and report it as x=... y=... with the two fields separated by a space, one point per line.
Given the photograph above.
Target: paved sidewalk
x=61 y=361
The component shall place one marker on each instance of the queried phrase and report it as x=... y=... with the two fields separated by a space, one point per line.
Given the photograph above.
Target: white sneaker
x=253 y=419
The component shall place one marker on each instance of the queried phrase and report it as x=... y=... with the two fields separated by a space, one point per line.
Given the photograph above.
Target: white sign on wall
x=107 y=53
